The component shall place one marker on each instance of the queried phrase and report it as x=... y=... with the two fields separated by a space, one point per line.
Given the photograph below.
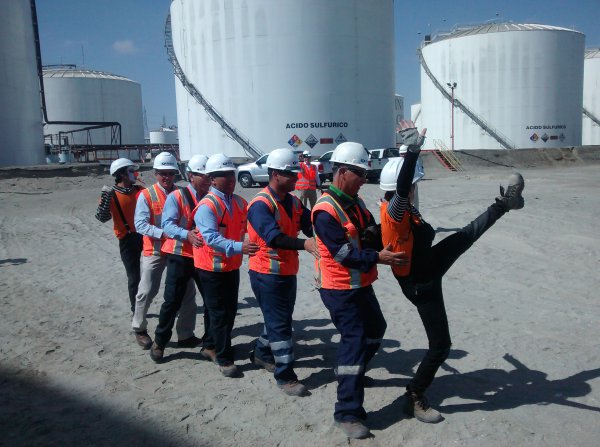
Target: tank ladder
x=494 y=133
x=446 y=156
x=248 y=147
x=591 y=116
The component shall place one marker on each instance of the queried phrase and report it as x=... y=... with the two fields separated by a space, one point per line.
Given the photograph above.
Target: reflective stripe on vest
x=332 y=274
x=270 y=260
x=186 y=219
x=231 y=226
x=155 y=197
x=399 y=235
x=307 y=178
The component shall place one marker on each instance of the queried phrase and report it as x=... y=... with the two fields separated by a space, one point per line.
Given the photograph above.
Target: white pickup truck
x=377 y=160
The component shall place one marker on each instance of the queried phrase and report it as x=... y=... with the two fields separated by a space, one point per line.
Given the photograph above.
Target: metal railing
x=591 y=116
x=447 y=156
x=248 y=147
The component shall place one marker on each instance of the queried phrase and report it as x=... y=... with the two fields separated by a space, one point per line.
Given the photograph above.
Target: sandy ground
x=522 y=305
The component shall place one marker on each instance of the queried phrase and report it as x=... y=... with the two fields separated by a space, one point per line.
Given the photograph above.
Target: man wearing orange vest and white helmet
x=178 y=224
x=148 y=214
x=347 y=269
x=308 y=181
x=221 y=219
x=118 y=203
x=275 y=217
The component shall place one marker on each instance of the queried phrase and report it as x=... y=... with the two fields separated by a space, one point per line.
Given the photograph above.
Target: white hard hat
x=283 y=160
x=390 y=171
x=197 y=164
x=218 y=163
x=306 y=153
x=165 y=161
x=121 y=163
x=350 y=153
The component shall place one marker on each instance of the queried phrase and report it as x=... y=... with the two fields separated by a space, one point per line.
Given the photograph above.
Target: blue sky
x=125 y=37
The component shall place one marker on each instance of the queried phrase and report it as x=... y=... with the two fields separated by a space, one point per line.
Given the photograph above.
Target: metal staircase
x=591 y=116
x=446 y=156
x=248 y=147
x=494 y=133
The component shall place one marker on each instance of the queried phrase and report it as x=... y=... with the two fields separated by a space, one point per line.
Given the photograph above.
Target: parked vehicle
x=251 y=173
x=377 y=160
x=324 y=167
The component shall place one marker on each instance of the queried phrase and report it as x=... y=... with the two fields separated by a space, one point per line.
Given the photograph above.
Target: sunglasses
x=358 y=172
x=222 y=174
x=288 y=174
x=166 y=173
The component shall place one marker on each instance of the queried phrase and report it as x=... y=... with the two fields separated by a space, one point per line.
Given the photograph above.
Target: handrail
x=250 y=148
x=591 y=116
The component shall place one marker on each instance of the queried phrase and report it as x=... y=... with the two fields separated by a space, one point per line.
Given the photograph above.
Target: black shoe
x=156 y=353
x=258 y=362
x=192 y=342
x=143 y=339
x=512 y=199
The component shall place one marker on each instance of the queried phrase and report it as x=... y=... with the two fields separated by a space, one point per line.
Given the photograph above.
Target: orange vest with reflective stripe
x=127 y=202
x=331 y=273
x=231 y=226
x=399 y=235
x=155 y=198
x=307 y=178
x=186 y=221
x=270 y=260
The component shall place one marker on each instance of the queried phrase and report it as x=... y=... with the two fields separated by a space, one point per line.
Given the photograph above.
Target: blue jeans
x=357 y=316
x=276 y=296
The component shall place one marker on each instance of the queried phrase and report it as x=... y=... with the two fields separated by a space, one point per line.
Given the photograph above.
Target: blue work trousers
x=276 y=296
x=357 y=316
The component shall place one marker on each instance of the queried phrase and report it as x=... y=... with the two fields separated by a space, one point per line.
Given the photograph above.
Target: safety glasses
x=166 y=173
x=357 y=171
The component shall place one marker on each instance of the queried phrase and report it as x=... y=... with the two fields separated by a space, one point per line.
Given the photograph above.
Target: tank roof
x=70 y=71
x=488 y=28
x=591 y=53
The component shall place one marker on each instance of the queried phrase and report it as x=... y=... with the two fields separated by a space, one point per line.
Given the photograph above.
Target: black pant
x=180 y=269
x=426 y=294
x=220 y=294
x=131 y=251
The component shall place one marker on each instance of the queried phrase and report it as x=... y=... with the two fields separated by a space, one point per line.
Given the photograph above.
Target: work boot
x=156 y=353
x=353 y=429
x=190 y=342
x=209 y=354
x=418 y=406
x=294 y=388
x=229 y=370
x=259 y=362
x=512 y=199
x=143 y=339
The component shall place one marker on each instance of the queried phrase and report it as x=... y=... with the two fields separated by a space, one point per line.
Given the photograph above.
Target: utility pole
x=452 y=87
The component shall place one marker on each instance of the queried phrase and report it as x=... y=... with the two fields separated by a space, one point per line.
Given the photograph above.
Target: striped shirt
x=103 y=213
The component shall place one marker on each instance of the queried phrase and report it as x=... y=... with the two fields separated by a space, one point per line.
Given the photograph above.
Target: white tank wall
x=97 y=98
x=520 y=82
x=266 y=66
x=164 y=136
x=415 y=114
x=590 y=132
x=22 y=141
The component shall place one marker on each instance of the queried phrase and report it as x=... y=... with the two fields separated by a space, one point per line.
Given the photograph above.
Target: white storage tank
x=524 y=82
x=590 y=133
x=298 y=74
x=415 y=114
x=164 y=135
x=22 y=141
x=74 y=94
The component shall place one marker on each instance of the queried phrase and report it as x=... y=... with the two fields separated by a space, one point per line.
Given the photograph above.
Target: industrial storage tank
x=22 y=141
x=298 y=74
x=74 y=94
x=164 y=135
x=514 y=86
x=590 y=133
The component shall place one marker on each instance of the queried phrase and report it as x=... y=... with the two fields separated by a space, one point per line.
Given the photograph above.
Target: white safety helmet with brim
x=306 y=154
x=165 y=161
x=197 y=164
x=391 y=170
x=121 y=163
x=350 y=153
x=218 y=163
x=283 y=160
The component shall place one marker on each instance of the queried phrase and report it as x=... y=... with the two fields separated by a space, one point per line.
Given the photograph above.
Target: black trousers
x=130 y=248
x=220 y=294
x=179 y=271
x=426 y=294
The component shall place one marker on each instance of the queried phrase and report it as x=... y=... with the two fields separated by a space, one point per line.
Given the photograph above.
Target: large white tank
x=524 y=81
x=164 y=135
x=74 y=94
x=298 y=74
x=21 y=141
x=590 y=132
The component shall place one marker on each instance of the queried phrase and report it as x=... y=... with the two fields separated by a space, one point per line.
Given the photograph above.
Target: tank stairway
x=446 y=156
x=494 y=133
x=248 y=147
x=591 y=116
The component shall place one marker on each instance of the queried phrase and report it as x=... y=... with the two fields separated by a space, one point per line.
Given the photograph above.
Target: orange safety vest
x=331 y=273
x=127 y=202
x=155 y=198
x=186 y=221
x=270 y=260
x=231 y=226
x=399 y=235
x=307 y=178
